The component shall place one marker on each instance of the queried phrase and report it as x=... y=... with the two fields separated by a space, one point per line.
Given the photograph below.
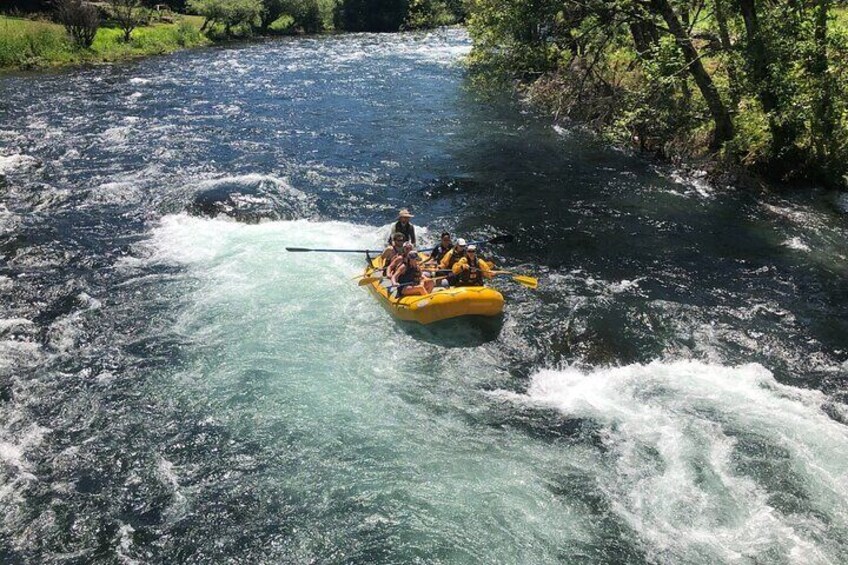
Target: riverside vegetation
x=26 y=44
x=756 y=84
x=58 y=32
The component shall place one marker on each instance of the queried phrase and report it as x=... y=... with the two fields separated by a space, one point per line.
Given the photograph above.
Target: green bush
x=236 y=16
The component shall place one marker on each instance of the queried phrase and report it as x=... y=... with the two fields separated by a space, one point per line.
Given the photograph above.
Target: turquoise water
x=175 y=387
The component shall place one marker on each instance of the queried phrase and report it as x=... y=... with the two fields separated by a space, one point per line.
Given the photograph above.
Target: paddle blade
x=529 y=282
x=506 y=238
x=368 y=280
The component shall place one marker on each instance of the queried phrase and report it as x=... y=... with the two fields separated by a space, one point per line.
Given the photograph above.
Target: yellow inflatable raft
x=441 y=304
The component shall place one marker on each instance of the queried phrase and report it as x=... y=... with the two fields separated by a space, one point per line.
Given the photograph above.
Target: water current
x=176 y=388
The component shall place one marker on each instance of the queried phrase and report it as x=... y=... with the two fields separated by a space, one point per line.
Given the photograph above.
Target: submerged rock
x=250 y=199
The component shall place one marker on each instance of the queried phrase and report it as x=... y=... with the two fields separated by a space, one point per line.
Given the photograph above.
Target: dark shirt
x=438 y=252
x=407 y=230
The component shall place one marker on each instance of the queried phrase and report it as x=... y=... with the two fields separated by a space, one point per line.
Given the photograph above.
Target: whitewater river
x=176 y=388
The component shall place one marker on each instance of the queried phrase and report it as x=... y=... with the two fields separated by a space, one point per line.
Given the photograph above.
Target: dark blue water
x=174 y=387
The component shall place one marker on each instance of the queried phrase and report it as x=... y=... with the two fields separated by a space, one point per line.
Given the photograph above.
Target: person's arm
x=445 y=262
x=460 y=266
x=486 y=268
x=398 y=272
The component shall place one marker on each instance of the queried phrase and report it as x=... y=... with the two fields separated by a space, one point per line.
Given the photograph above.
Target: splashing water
x=175 y=387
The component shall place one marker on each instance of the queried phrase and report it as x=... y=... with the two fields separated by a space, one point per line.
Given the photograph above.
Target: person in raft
x=394 y=249
x=470 y=270
x=409 y=274
x=404 y=226
x=450 y=258
x=399 y=259
x=441 y=248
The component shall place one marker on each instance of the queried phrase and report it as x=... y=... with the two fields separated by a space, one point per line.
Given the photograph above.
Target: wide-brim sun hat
x=404 y=213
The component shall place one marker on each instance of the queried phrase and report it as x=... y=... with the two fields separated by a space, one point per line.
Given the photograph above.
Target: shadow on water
x=467 y=331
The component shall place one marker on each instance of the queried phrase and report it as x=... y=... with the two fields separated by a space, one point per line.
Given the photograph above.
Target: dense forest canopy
x=758 y=83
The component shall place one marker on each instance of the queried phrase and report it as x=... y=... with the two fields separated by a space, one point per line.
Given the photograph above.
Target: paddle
x=505 y=238
x=498 y=239
x=411 y=283
x=310 y=250
x=524 y=280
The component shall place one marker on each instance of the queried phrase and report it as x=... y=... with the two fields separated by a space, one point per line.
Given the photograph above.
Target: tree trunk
x=823 y=105
x=723 y=131
x=727 y=47
x=783 y=133
x=645 y=37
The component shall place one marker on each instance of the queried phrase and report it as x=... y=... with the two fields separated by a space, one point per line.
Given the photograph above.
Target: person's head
x=446 y=240
x=471 y=251
x=397 y=239
x=404 y=216
x=413 y=257
x=408 y=247
x=460 y=245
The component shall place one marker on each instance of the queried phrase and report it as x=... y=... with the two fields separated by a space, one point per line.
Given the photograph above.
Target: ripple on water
x=687 y=461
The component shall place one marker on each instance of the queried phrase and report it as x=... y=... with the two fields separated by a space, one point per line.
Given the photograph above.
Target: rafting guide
x=404 y=227
x=448 y=283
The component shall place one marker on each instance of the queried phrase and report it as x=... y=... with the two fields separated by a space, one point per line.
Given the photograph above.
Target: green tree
x=128 y=14
x=761 y=83
x=80 y=20
x=228 y=13
x=271 y=12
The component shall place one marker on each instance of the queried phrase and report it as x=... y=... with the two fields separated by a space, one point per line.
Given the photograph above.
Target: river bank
x=30 y=44
x=762 y=87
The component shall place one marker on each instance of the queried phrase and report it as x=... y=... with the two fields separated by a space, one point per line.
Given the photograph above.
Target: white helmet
x=460 y=242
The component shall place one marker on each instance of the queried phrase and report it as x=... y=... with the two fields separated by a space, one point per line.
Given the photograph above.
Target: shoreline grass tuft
x=28 y=44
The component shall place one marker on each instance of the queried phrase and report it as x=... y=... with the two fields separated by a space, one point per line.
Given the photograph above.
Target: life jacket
x=472 y=276
x=406 y=229
x=439 y=252
x=454 y=257
x=410 y=275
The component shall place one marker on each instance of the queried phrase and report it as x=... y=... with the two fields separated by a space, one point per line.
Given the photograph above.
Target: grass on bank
x=27 y=44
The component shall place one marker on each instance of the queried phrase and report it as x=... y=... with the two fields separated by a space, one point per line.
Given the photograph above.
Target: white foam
x=116 y=192
x=796 y=243
x=673 y=431
x=14 y=324
x=16 y=162
x=13 y=450
x=125 y=544
x=16 y=354
x=694 y=183
x=561 y=131
x=115 y=135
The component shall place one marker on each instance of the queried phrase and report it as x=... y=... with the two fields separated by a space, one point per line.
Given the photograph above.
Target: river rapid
x=176 y=388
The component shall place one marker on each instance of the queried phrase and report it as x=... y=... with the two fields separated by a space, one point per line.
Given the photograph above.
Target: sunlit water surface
x=176 y=388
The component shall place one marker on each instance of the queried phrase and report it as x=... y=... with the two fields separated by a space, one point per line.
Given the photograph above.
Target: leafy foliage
x=32 y=44
x=231 y=14
x=80 y=19
x=762 y=84
x=128 y=14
